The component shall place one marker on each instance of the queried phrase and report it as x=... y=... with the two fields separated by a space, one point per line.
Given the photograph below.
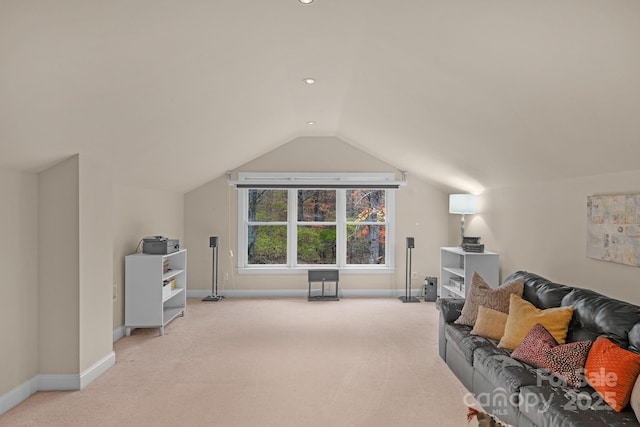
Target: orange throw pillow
x=612 y=371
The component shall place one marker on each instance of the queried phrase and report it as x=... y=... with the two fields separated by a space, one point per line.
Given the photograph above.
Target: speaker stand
x=407 y=281
x=214 y=278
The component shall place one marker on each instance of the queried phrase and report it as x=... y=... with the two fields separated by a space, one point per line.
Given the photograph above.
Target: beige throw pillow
x=490 y=323
x=480 y=293
x=635 y=398
x=523 y=316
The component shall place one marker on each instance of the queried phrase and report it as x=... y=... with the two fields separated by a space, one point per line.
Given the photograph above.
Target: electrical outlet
x=414 y=275
x=115 y=292
x=225 y=276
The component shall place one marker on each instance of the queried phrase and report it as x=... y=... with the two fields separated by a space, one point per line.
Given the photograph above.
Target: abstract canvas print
x=613 y=228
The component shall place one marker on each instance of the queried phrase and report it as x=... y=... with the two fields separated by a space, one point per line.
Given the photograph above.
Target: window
x=316 y=227
x=366 y=230
x=296 y=228
x=267 y=227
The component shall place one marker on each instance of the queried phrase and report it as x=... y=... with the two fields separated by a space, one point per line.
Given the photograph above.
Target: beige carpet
x=270 y=362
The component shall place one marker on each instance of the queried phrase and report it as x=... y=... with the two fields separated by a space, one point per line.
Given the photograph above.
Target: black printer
x=159 y=245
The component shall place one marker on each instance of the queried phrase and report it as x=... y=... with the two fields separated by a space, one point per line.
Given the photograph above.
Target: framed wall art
x=613 y=228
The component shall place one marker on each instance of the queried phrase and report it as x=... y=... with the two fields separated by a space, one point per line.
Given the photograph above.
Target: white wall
x=95 y=261
x=542 y=228
x=58 y=269
x=137 y=213
x=58 y=254
x=63 y=228
x=211 y=210
x=18 y=263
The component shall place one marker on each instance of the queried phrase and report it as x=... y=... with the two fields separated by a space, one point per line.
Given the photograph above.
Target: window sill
x=303 y=270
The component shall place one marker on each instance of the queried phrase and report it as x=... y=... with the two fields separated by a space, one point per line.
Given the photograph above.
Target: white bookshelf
x=459 y=265
x=149 y=304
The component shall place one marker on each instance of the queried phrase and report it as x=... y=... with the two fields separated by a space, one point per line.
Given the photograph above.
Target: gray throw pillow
x=480 y=293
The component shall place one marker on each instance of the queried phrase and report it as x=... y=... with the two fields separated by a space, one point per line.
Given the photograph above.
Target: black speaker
x=410 y=243
x=213 y=241
x=430 y=288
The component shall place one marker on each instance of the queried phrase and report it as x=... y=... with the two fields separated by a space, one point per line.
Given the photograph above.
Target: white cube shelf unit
x=148 y=302
x=457 y=267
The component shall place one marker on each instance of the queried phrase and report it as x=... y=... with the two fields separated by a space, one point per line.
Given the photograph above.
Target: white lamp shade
x=462 y=204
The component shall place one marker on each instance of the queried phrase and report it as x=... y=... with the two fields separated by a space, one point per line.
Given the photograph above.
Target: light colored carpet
x=270 y=362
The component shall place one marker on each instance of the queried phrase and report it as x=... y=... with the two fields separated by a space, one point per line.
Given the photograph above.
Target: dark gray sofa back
x=595 y=314
x=539 y=291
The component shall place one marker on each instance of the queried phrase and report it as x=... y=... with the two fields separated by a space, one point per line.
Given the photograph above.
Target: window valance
x=317 y=180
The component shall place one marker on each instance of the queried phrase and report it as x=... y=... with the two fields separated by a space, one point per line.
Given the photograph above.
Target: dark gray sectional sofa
x=520 y=395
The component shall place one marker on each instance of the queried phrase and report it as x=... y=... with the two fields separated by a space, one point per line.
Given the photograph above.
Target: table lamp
x=462 y=204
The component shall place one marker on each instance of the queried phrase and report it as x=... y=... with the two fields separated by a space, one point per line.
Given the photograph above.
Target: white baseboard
x=301 y=293
x=18 y=394
x=118 y=333
x=97 y=369
x=55 y=382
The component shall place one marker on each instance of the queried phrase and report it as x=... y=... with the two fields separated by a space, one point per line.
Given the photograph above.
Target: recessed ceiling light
x=309 y=80
x=306 y=1
x=311 y=123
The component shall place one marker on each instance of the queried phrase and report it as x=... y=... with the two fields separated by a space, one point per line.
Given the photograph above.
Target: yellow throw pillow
x=523 y=316
x=490 y=323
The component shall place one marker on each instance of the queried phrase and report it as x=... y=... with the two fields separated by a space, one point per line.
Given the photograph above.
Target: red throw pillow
x=533 y=348
x=612 y=372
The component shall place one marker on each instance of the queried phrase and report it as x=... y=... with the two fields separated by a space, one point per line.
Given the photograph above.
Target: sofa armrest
x=450 y=308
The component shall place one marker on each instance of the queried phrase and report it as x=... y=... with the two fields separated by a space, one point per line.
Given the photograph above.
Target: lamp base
x=213 y=298
x=408 y=299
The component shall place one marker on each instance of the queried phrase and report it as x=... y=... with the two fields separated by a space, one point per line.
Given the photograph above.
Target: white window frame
x=308 y=181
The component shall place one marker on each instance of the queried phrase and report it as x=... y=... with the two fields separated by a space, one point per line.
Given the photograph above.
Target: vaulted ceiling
x=469 y=94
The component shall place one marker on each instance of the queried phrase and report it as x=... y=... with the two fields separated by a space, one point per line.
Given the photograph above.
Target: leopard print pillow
x=566 y=361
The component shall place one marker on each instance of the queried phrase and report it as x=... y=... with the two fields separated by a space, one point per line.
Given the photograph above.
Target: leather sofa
x=521 y=395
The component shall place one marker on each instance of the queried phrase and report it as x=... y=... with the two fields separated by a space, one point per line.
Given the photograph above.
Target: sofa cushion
x=460 y=337
x=488 y=351
x=562 y=406
x=612 y=371
x=480 y=293
x=490 y=323
x=596 y=314
x=523 y=316
x=503 y=371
